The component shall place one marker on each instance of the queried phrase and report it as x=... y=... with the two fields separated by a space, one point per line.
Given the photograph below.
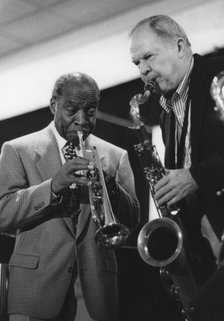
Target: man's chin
x=160 y=87
x=72 y=137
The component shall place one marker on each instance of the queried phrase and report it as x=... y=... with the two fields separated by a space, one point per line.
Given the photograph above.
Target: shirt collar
x=59 y=139
x=180 y=93
x=61 y=142
x=184 y=85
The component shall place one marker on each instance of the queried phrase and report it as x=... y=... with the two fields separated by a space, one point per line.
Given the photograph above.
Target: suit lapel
x=199 y=91
x=48 y=154
x=49 y=161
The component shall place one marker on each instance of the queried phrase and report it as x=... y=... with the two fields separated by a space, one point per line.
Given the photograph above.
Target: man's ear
x=181 y=46
x=53 y=105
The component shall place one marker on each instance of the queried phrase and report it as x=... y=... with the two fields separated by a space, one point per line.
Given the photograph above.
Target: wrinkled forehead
x=81 y=93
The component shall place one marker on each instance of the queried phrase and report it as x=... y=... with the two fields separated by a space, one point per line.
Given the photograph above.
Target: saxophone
x=161 y=241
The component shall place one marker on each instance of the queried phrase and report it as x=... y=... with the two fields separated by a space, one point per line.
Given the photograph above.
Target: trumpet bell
x=160 y=242
x=112 y=235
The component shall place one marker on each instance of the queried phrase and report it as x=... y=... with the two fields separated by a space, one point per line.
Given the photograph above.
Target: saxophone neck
x=139 y=99
x=134 y=112
x=137 y=122
x=144 y=137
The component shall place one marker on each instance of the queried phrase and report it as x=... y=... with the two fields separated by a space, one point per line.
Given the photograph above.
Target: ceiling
x=43 y=39
x=25 y=23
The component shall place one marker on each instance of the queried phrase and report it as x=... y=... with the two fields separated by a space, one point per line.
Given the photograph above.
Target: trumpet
x=110 y=233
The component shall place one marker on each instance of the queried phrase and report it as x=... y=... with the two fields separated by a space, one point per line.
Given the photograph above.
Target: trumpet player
x=192 y=131
x=55 y=243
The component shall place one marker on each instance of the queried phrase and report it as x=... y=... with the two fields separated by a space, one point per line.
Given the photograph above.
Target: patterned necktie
x=72 y=194
x=69 y=151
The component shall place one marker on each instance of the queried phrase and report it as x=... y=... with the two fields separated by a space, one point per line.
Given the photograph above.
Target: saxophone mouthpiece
x=152 y=87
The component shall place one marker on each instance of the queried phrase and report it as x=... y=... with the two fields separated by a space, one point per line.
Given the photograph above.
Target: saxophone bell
x=160 y=244
x=151 y=246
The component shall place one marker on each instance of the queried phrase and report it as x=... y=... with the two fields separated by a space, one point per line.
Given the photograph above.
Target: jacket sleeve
x=209 y=174
x=20 y=203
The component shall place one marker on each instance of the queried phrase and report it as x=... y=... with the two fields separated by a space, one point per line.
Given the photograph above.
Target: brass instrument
x=110 y=233
x=217 y=91
x=160 y=241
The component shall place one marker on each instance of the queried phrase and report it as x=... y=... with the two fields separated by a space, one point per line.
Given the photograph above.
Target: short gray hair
x=76 y=78
x=164 y=26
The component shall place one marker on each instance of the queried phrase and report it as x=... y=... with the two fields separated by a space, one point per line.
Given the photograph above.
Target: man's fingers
x=80 y=180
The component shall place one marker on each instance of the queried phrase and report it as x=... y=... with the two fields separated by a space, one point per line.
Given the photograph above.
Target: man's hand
x=67 y=174
x=177 y=185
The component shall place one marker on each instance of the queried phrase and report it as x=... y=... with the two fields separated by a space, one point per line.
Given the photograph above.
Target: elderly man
x=193 y=134
x=55 y=236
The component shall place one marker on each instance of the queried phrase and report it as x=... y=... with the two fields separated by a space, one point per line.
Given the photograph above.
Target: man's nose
x=144 y=68
x=80 y=118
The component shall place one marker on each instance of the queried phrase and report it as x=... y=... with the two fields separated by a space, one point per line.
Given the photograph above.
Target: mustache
x=75 y=128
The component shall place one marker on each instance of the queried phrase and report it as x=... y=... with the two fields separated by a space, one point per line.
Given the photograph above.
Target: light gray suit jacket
x=47 y=250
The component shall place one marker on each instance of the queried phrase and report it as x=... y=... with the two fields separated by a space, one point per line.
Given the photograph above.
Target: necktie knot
x=72 y=194
x=69 y=151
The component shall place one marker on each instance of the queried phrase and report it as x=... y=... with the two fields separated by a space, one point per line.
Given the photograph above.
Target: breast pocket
x=24 y=260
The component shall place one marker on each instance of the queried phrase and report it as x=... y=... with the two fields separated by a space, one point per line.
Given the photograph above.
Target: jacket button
x=70 y=269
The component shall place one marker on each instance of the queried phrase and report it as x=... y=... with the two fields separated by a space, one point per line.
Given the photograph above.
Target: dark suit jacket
x=207 y=141
x=47 y=249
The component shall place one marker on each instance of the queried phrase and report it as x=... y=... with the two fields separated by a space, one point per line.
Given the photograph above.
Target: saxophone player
x=192 y=133
x=51 y=252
